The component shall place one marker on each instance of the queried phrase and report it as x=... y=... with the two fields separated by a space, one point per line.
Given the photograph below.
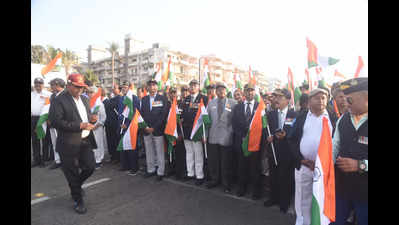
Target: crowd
x=286 y=154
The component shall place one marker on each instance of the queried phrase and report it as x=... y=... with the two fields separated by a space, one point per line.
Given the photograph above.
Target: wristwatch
x=362 y=166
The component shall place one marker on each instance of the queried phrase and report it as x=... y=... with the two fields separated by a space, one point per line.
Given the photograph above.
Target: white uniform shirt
x=312 y=133
x=83 y=114
x=251 y=105
x=37 y=101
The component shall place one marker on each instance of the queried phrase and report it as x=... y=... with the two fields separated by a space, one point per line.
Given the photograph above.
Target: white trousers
x=194 y=158
x=53 y=136
x=99 y=137
x=155 y=153
x=303 y=195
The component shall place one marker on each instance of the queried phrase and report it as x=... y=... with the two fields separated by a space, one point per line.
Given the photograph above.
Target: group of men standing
x=290 y=142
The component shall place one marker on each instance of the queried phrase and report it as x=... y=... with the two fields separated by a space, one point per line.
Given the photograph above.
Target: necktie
x=248 y=111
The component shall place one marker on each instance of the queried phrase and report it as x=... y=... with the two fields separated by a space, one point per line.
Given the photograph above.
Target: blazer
x=189 y=113
x=283 y=152
x=221 y=130
x=240 y=123
x=155 y=118
x=66 y=120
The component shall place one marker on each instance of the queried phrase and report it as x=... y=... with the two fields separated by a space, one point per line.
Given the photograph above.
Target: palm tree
x=113 y=48
x=38 y=54
x=68 y=60
x=91 y=76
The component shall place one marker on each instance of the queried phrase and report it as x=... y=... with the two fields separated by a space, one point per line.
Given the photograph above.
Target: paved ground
x=116 y=198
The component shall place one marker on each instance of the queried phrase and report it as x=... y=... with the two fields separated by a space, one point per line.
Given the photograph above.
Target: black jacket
x=66 y=119
x=294 y=138
x=282 y=149
x=189 y=112
x=156 y=118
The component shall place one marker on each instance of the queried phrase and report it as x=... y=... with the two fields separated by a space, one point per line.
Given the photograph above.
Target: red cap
x=77 y=80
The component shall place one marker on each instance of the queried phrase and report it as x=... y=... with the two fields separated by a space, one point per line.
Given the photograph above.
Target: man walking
x=38 y=98
x=57 y=86
x=75 y=140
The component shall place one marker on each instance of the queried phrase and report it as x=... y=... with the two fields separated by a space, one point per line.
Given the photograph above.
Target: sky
x=269 y=36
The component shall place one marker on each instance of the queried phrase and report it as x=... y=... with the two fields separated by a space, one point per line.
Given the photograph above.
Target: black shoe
x=132 y=173
x=227 y=190
x=269 y=203
x=211 y=185
x=55 y=166
x=255 y=196
x=98 y=165
x=283 y=210
x=241 y=192
x=147 y=175
x=80 y=207
x=159 y=178
x=188 y=178
x=198 y=182
x=34 y=164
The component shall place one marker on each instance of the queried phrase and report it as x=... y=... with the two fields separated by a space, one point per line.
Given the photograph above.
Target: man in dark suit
x=75 y=140
x=112 y=124
x=154 y=110
x=249 y=167
x=282 y=176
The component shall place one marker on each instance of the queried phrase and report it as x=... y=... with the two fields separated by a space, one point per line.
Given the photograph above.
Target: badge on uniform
x=289 y=121
x=157 y=104
x=228 y=107
x=194 y=105
x=363 y=140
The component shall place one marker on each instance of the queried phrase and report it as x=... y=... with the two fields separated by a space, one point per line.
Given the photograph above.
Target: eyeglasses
x=349 y=100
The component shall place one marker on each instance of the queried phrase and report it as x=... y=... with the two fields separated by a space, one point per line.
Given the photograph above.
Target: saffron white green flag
x=95 y=102
x=323 y=196
x=41 y=123
x=128 y=102
x=129 y=139
x=201 y=119
x=205 y=77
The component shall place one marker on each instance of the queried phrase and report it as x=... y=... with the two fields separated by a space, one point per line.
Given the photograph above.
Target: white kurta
x=99 y=135
x=309 y=146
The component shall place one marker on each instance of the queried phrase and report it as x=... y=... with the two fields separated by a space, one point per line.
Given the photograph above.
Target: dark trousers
x=249 y=171
x=282 y=182
x=112 y=141
x=343 y=208
x=84 y=160
x=180 y=166
x=37 y=156
x=220 y=164
x=47 y=146
x=129 y=159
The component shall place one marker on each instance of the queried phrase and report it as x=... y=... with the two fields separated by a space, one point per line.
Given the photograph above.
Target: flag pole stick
x=123 y=122
x=203 y=129
x=274 y=154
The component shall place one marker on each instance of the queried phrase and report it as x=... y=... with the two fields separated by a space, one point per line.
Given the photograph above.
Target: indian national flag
x=290 y=88
x=171 y=125
x=252 y=80
x=158 y=74
x=201 y=118
x=312 y=53
x=129 y=139
x=128 y=102
x=205 y=76
x=326 y=61
x=323 y=198
x=340 y=75
x=359 y=68
x=166 y=74
x=237 y=80
x=51 y=64
x=95 y=102
x=41 y=124
x=252 y=141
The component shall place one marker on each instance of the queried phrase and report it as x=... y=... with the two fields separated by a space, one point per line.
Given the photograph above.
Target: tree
x=91 y=76
x=38 y=54
x=69 y=59
x=113 y=49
